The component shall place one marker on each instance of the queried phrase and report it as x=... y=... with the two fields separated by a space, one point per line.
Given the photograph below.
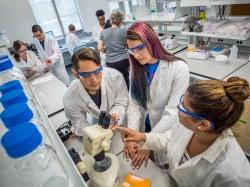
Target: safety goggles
x=88 y=74
x=138 y=48
x=192 y=114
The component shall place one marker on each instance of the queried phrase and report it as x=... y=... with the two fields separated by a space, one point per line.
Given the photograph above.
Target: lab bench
x=211 y=69
x=243 y=72
x=50 y=92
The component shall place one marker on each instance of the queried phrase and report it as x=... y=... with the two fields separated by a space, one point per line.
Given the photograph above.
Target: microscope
x=103 y=169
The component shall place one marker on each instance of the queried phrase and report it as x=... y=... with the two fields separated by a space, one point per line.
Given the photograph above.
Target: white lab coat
x=223 y=164
x=32 y=62
x=96 y=32
x=72 y=41
x=78 y=104
x=168 y=85
x=52 y=51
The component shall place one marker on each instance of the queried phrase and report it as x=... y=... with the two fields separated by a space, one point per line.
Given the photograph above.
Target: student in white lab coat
x=72 y=40
x=27 y=60
x=95 y=89
x=50 y=53
x=201 y=148
x=158 y=79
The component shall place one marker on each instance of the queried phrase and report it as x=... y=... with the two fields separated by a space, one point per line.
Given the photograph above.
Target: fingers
x=140 y=157
x=137 y=161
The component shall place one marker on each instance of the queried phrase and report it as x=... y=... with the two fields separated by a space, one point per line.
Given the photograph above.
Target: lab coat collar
x=93 y=109
x=212 y=153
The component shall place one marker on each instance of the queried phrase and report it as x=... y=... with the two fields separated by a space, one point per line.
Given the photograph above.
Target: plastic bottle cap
x=3 y=57
x=10 y=86
x=16 y=114
x=13 y=97
x=21 y=140
x=5 y=64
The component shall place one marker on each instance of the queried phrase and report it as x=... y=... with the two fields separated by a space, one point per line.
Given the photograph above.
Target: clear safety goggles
x=192 y=114
x=138 y=48
x=88 y=74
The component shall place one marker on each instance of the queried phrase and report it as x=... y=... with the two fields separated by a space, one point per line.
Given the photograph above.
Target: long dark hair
x=145 y=33
x=17 y=45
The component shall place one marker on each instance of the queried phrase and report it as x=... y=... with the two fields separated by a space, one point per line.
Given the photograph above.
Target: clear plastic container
x=19 y=96
x=34 y=164
x=21 y=113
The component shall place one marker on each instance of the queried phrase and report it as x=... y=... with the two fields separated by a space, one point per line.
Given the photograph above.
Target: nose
x=92 y=77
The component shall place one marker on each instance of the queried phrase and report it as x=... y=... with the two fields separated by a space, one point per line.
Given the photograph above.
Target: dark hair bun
x=237 y=89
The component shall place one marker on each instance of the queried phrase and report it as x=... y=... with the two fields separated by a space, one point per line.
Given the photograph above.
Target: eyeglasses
x=192 y=114
x=88 y=74
x=138 y=48
x=21 y=51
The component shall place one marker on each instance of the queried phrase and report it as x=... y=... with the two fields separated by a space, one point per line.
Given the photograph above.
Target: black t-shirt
x=42 y=43
x=97 y=98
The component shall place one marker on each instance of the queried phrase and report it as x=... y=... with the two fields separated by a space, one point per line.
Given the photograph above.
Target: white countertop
x=50 y=92
x=210 y=68
x=243 y=72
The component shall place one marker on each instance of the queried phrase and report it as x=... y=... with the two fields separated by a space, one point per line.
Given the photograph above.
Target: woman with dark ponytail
x=27 y=61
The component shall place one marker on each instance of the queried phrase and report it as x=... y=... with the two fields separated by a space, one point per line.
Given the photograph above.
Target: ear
x=205 y=125
x=74 y=72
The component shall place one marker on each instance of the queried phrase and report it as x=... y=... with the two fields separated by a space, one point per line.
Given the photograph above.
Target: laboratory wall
x=16 y=18
x=87 y=10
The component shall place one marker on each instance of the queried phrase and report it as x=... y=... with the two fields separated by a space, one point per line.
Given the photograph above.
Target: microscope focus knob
x=105 y=145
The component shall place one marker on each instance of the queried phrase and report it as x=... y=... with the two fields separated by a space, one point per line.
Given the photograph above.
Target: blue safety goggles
x=88 y=74
x=136 y=49
x=192 y=114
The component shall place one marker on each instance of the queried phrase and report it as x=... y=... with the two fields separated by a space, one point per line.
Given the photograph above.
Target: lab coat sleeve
x=56 y=52
x=179 y=87
x=76 y=115
x=39 y=65
x=121 y=96
x=157 y=141
x=134 y=115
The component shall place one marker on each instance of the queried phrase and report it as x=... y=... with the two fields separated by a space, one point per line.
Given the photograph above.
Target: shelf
x=189 y=3
x=213 y=35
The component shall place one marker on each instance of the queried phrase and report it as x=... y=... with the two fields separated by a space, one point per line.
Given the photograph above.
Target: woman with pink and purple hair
x=158 y=80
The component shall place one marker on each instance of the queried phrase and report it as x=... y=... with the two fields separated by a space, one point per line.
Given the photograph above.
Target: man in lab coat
x=99 y=27
x=72 y=40
x=50 y=53
x=95 y=89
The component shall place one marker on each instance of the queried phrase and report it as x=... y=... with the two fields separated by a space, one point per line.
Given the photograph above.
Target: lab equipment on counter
x=19 y=113
x=197 y=54
x=103 y=169
x=221 y=58
x=134 y=181
x=82 y=168
x=233 y=52
x=33 y=163
x=171 y=43
x=219 y=50
x=10 y=86
x=64 y=131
